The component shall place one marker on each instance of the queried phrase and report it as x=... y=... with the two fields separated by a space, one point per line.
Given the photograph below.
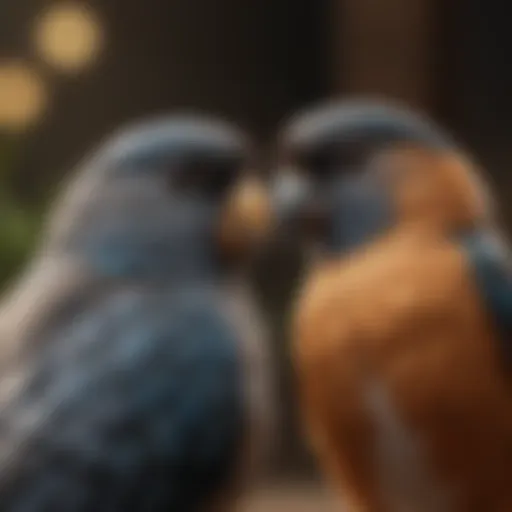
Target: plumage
x=400 y=337
x=89 y=417
x=130 y=381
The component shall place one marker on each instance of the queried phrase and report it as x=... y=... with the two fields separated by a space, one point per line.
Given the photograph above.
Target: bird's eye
x=332 y=162
x=321 y=166
x=212 y=179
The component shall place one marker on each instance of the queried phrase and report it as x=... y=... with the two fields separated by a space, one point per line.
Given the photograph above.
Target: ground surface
x=288 y=499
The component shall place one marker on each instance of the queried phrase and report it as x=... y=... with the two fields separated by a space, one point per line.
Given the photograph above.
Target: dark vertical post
x=384 y=48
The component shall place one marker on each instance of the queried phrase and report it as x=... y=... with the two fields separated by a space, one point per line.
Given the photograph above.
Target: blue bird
x=134 y=367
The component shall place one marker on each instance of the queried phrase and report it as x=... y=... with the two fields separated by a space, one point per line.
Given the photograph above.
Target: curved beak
x=298 y=204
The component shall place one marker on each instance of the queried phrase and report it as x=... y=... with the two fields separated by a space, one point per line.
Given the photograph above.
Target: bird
x=400 y=331
x=134 y=368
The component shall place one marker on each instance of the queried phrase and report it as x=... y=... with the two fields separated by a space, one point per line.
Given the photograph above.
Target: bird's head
x=171 y=197
x=355 y=170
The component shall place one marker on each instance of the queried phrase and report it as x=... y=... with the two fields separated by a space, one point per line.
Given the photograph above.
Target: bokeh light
x=68 y=36
x=23 y=95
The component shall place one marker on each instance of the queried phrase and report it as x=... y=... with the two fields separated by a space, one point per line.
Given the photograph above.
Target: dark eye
x=331 y=162
x=320 y=166
x=212 y=179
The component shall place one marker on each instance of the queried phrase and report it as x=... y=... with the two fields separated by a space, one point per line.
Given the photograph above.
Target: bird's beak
x=298 y=204
x=247 y=218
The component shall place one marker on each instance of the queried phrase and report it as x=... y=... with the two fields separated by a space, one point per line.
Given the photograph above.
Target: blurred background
x=71 y=71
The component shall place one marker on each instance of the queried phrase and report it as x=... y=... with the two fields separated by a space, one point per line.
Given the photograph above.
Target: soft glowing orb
x=23 y=95
x=68 y=36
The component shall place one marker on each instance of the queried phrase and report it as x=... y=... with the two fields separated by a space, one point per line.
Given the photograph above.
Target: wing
x=136 y=406
x=490 y=264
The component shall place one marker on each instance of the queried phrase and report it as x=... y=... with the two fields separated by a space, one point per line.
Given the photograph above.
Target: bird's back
x=406 y=393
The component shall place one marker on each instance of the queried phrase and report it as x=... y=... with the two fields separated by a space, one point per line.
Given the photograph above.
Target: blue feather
x=492 y=273
x=143 y=394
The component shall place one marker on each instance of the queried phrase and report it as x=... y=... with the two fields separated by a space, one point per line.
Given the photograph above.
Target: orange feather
x=404 y=391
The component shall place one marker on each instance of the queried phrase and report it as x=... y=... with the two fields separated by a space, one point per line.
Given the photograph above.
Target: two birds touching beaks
x=135 y=372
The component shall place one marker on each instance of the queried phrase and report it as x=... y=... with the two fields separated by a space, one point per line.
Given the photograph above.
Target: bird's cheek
x=362 y=210
x=246 y=219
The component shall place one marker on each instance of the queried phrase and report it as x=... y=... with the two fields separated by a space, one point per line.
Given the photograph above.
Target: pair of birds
x=134 y=373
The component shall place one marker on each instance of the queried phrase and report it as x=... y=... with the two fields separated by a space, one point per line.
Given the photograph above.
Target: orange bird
x=402 y=328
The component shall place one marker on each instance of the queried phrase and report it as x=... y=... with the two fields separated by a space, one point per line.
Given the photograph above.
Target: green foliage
x=18 y=231
x=19 y=224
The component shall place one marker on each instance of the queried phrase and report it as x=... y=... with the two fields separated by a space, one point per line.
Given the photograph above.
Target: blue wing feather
x=136 y=406
x=490 y=264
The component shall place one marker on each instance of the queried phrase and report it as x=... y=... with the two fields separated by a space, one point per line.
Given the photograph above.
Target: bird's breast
x=401 y=376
